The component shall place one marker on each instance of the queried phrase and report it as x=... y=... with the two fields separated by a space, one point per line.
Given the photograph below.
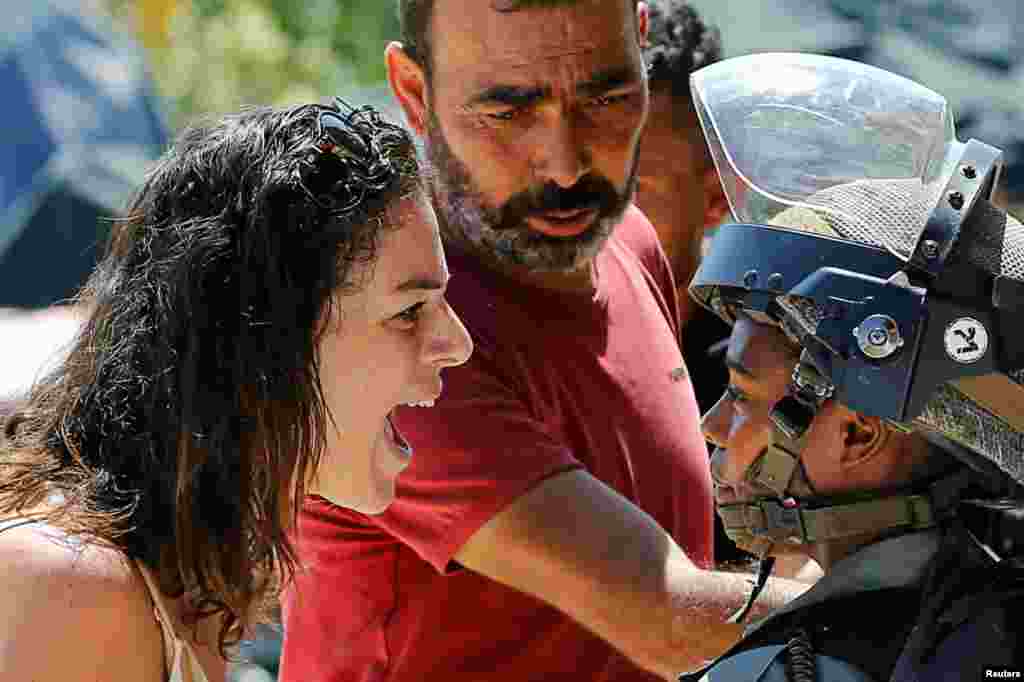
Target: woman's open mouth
x=396 y=437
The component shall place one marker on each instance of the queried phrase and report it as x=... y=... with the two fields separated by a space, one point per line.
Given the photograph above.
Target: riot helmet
x=865 y=230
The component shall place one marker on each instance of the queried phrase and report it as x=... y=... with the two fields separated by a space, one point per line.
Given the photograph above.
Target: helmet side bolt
x=878 y=337
x=930 y=249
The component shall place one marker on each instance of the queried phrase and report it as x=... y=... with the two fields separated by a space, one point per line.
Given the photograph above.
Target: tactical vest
x=965 y=616
x=853 y=639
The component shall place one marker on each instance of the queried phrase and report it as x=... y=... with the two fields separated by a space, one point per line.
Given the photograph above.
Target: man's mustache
x=591 y=192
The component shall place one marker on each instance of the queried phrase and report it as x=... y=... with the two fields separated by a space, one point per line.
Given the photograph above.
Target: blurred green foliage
x=217 y=55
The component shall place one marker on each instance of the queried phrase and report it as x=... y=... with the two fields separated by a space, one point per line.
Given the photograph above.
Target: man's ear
x=716 y=206
x=642 y=23
x=409 y=85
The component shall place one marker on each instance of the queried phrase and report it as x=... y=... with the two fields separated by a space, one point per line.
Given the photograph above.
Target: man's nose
x=561 y=155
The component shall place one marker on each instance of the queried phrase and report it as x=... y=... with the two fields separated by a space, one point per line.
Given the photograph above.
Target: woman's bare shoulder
x=73 y=611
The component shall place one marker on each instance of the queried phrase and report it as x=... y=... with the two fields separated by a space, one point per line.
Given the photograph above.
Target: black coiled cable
x=800 y=663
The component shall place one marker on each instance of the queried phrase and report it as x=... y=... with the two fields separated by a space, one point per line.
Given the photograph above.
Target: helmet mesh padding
x=886 y=214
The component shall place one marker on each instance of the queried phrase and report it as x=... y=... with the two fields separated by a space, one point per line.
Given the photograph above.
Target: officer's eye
x=734 y=394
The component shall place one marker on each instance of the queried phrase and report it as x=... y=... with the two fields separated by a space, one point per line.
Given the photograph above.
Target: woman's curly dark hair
x=188 y=414
x=678 y=43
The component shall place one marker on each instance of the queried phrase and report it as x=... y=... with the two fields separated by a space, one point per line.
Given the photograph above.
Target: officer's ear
x=863 y=437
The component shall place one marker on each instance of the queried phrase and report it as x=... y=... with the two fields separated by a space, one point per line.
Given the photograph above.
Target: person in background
x=677 y=184
x=560 y=524
x=678 y=189
x=275 y=290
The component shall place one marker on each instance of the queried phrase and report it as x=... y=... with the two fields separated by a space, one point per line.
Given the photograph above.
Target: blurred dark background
x=95 y=88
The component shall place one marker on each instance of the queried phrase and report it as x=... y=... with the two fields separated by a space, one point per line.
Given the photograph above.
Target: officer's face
x=760 y=360
x=845 y=451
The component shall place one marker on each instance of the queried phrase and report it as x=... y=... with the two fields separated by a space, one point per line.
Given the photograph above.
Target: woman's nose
x=453 y=345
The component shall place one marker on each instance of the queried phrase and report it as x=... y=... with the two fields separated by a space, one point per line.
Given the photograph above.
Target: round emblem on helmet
x=966 y=340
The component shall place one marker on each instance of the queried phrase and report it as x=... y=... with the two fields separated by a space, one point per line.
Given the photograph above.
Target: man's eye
x=608 y=100
x=411 y=314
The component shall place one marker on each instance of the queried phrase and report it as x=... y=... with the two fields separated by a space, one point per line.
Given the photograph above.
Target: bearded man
x=556 y=519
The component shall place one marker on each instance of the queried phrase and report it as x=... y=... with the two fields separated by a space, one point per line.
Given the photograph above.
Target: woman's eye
x=411 y=314
x=506 y=115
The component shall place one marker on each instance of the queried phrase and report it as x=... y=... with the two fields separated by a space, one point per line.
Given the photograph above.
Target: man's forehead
x=471 y=34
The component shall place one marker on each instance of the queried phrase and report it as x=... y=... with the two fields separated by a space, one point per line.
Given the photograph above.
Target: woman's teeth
x=423 y=403
x=396 y=437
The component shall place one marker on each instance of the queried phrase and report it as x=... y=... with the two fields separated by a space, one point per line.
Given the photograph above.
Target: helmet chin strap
x=791 y=511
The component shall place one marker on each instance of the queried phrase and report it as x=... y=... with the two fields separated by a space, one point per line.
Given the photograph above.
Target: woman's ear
x=409 y=85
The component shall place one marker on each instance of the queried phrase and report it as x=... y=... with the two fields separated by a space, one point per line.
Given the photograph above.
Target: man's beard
x=502 y=232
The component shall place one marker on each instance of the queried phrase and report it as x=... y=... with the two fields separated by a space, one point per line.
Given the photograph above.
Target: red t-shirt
x=556 y=382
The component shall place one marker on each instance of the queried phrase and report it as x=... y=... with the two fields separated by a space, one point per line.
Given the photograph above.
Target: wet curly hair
x=188 y=414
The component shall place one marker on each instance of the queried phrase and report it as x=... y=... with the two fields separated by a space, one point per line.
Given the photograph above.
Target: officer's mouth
x=726 y=494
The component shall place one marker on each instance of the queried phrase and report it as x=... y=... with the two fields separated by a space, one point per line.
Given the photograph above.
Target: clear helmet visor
x=785 y=128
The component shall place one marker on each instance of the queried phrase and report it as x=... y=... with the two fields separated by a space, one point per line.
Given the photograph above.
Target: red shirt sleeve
x=474 y=452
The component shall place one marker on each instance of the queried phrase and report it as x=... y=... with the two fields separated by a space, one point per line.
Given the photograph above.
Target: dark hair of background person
x=678 y=43
x=414 y=17
x=185 y=421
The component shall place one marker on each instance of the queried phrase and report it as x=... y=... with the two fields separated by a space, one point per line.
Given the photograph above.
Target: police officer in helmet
x=874 y=419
